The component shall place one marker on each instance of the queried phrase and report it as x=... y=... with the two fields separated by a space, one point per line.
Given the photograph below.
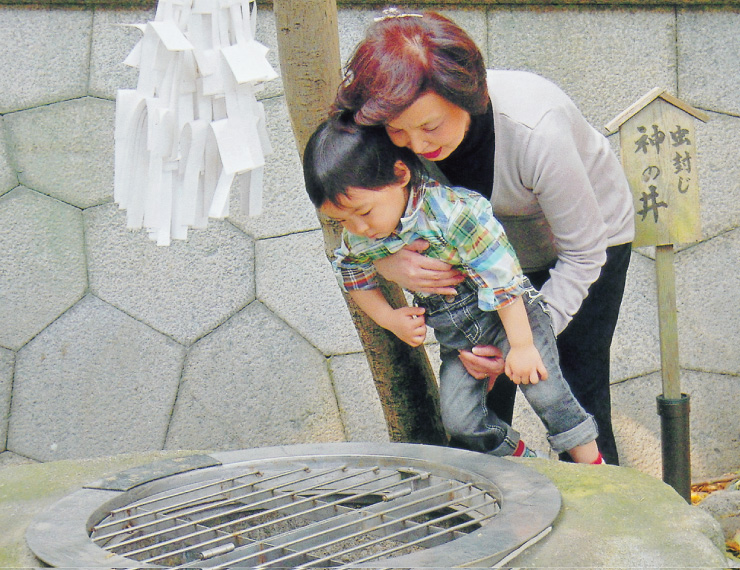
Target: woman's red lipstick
x=432 y=155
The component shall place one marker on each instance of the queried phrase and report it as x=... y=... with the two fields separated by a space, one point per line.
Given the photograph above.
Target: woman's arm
x=548 y=157
x=416 y=272
x=407 y=323
x=570 y=161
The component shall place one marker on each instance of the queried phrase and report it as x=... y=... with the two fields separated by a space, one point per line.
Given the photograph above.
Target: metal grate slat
x=281 y=520
x=198 y=507
x=290 y=516
x=406 y=529
x=322 y=534
x=126 y=523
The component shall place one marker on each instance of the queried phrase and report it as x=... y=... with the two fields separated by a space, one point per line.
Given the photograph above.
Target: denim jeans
x=459 y=323
x=584 y=348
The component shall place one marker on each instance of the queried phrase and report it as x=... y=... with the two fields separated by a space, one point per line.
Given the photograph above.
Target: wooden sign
x=658 y=144
x=658 y=147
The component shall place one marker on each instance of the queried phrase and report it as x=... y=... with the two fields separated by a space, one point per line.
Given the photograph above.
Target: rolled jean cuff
x=508 y=445
x=583 y=433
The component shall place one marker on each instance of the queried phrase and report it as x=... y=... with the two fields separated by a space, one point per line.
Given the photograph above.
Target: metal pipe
x=675 y=439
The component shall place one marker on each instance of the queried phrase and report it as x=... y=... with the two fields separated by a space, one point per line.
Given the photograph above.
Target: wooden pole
x=308 y=45
x=673 y=406
x=667 y=321
x=308 y=48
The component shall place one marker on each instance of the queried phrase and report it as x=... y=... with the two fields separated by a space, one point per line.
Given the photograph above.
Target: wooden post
x=657 y=141
x=308 y=45
x=668 y=323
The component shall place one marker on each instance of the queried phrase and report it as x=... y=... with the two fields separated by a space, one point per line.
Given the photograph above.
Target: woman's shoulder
x=502 y=80
x=525 y=96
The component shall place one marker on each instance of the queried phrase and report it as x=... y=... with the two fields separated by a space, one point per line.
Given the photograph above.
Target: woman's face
x=432 y=127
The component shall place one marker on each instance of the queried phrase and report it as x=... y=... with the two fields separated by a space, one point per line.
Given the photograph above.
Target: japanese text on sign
x=659 y=157
x=681 y=166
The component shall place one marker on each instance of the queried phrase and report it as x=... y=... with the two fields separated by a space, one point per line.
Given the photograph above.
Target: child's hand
x=524 y=365
x=408 y=324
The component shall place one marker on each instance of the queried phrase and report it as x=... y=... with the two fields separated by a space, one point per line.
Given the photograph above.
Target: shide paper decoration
x=193 y=122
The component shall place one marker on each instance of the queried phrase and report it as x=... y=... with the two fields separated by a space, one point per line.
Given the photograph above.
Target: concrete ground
x=238 y=337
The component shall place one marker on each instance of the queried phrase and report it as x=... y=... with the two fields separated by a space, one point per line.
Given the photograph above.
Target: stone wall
x=238 y=337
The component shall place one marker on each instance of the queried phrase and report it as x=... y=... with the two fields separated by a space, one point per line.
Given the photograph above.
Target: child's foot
x=523 y=451
x=599 y=460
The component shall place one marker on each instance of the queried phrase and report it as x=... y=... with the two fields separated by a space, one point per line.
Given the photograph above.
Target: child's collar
x=416 y=198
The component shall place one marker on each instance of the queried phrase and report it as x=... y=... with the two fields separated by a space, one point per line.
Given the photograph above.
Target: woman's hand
x=419 y=273
x=483 y=362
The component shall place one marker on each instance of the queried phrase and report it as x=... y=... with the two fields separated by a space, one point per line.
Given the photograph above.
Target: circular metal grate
x=308 y=506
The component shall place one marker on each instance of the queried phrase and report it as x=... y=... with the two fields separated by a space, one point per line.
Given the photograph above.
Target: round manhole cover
x=345 y=505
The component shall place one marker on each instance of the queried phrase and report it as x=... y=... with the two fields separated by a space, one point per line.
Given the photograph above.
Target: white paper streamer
x=193 y=123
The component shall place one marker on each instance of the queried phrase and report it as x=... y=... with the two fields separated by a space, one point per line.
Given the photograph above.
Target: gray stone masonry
x=239 y=337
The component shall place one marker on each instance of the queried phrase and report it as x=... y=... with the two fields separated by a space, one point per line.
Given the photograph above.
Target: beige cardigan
x=558 y=188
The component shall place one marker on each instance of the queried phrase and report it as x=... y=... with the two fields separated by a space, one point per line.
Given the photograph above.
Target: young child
x=381 y=196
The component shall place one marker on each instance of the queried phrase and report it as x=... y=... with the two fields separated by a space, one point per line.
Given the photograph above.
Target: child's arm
x=407 y=323
x=523 y=364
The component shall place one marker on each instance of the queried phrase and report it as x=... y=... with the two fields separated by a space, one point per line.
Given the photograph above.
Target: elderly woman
x=552 y=179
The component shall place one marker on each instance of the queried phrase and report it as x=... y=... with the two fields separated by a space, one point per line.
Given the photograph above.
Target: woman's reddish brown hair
x=403 y=57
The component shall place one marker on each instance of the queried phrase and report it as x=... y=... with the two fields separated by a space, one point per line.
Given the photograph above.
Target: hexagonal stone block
x=254 y=382
x=709 y=61
x=6 y=384
x=44 y=57
x=295 y=280
x=357 y=397
x=42 y=263
x=113 y=39
x=707 y=300
x=719 y=173
x=636 y=344
x=8 y=177
x=65 y=150
x=96 y=382
x=9 y=459
x=602 y=62
x=266 y=34
x=714 y=423
x=285 y=204
x=184 y=290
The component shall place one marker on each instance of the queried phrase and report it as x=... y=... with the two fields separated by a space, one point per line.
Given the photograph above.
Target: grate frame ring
x=529 y=502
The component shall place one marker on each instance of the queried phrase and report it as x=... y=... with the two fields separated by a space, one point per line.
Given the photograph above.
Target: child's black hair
x=341 y=155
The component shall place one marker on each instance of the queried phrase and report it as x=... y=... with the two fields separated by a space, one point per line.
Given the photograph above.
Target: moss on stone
x=617 y=514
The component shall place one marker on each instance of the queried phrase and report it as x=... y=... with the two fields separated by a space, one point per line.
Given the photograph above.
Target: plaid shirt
x=461 y=230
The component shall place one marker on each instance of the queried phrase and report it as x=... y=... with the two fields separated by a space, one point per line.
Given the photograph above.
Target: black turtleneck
x=471 y=164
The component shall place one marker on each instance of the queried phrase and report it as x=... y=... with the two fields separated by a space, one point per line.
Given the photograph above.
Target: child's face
x=373 y=213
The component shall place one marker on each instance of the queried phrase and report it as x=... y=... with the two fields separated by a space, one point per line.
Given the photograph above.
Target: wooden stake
x=667 y=321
